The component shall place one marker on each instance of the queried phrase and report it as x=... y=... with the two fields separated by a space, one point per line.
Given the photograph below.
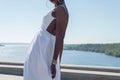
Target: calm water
x=17 y=53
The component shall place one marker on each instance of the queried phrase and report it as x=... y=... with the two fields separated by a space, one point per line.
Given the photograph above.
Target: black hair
x=60 y=2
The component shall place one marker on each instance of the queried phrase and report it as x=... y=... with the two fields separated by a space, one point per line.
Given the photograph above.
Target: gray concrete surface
x=10 y=77
x=92 y=68
x=88 y=75
x=69 y=72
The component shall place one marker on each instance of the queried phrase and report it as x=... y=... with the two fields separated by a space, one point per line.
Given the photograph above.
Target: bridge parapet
x=70 y=72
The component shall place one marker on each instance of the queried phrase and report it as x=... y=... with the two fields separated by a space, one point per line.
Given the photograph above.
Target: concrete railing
x=92 y=68
x=70 y=72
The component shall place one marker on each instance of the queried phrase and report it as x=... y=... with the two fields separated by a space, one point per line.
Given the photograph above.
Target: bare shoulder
x=61 y=11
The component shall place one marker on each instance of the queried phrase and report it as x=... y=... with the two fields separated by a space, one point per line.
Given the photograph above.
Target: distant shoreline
x=3 y=44
x=112 y=49
x=14 y=44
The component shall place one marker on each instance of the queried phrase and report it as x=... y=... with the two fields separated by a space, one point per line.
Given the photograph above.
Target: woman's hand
x=53 y=70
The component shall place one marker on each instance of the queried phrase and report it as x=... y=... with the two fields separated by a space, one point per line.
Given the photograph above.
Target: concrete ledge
x=76 y=67
x=92 y=68
x=70 y=72
x=11 y=69
x=12 y=63
x=88 y=75
x=10 y=77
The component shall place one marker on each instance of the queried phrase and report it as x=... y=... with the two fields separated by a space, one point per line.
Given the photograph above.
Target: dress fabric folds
x=37 y=65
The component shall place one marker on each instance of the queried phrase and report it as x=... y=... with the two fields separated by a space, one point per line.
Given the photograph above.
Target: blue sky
x=91 y=21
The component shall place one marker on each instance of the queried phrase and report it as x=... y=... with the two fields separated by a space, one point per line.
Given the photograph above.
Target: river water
x=18 y=52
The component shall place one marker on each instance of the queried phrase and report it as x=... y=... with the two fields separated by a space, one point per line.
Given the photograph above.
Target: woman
x=43 y=61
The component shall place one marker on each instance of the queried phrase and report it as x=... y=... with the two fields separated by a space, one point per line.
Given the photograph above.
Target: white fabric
x=38 y=61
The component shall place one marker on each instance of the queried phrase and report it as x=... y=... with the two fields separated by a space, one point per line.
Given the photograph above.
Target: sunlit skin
x=58 y=28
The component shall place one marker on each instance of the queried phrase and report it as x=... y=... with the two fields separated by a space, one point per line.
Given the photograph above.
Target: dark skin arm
x=60 y=33
x=61 y=53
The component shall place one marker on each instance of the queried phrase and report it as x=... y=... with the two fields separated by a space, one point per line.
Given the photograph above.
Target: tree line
x=112 y=49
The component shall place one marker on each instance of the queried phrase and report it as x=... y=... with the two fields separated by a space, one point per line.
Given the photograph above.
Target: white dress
x=37 y=64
